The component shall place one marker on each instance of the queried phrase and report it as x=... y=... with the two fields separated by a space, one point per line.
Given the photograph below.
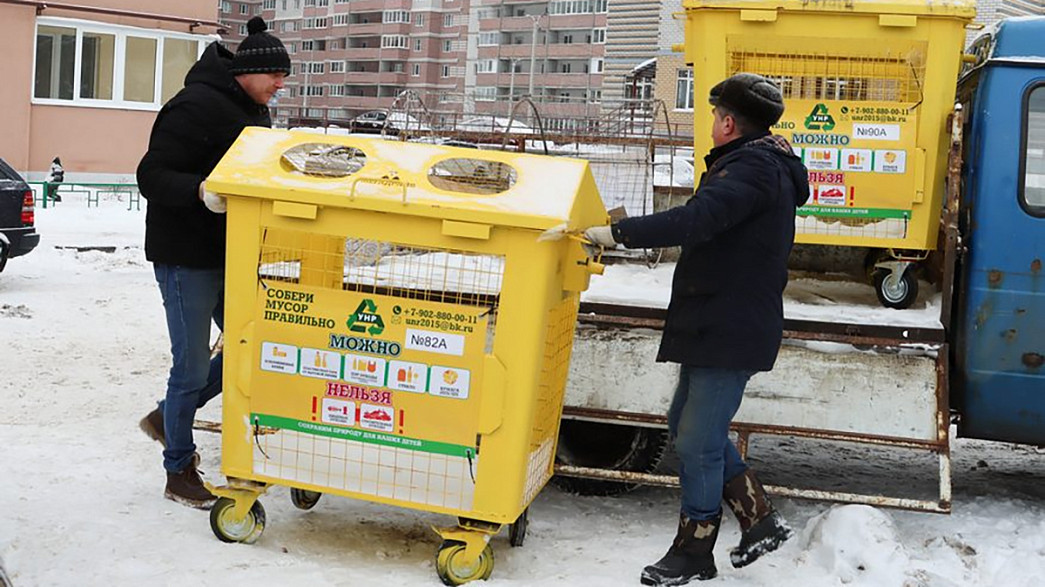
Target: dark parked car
x=392 y=123
x=17 y=215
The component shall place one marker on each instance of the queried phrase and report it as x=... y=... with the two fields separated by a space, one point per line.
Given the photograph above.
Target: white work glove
x=212 y=201
x=601 y=236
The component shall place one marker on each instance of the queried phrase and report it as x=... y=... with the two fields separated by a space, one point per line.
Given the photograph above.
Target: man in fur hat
x=725 y=317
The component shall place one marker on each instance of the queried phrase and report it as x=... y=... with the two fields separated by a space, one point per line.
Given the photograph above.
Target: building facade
x=464 y=56
x=84 y=81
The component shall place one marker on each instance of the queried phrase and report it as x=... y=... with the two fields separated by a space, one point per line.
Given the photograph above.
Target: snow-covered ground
x=84 y=356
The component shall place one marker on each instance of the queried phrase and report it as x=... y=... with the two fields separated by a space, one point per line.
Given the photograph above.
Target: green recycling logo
x=366 y=315
x=819 y=119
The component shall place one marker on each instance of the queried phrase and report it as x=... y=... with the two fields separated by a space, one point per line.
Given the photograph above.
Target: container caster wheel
x=452 y=572
x=228 y=529
x=896 y=292
x=304 y=499
x=517 y=531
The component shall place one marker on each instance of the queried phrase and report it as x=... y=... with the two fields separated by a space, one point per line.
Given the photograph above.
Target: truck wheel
x=600 y=445
x=896 y=293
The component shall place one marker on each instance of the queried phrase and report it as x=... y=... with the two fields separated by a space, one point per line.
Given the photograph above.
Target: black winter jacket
x=736 y=232
x=191 y=134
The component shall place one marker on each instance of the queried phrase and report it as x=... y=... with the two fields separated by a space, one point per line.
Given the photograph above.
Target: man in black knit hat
x=725 y=317
x=185 y=230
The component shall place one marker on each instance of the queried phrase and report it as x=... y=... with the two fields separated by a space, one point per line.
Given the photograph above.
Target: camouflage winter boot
x=152 y=426
x=186 y=488
x=690 y=556
x=762 y=528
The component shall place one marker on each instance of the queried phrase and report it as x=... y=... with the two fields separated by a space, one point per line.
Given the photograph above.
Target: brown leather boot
x=152 y=426
x=186 y=488
x=690 y=557
x=762 y=528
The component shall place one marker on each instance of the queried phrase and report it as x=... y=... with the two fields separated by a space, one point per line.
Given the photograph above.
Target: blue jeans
x=704 y=404
x=191 y=299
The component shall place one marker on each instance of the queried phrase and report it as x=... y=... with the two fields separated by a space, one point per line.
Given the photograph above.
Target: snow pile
x=857 y=543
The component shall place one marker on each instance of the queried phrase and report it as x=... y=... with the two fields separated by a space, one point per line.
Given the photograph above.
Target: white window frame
x=121 y=33
x=489 y=39
x=448 y=45
x=598 y=36
x=684 y=75
x=395 y=17
x=445 y=71
x=416 y=70
x=341 y=19
x=395 y=42
x=448 y=20
x=244 y=9
x=337 y=67
x=419 y=19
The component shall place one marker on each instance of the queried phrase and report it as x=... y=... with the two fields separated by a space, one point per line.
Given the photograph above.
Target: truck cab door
x=1000 y=349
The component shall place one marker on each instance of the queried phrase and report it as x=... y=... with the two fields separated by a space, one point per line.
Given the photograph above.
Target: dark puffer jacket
x=191 y=134
x=736 y=233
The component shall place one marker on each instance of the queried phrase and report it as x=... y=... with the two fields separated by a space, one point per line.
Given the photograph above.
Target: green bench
x=93 y=192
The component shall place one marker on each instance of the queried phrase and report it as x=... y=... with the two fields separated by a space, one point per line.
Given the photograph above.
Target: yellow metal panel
x=897 y=20
x=466 y=229
x=758 y=15
x=294 y=210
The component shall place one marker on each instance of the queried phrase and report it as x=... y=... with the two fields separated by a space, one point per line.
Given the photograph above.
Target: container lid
x=470 y=185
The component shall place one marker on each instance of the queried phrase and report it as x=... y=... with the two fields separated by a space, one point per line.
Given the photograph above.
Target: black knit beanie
x=260 y=52
x=751 y=96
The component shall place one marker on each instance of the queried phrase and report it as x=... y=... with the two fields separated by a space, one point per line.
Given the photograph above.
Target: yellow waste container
x=868 y=87
x=395 y=331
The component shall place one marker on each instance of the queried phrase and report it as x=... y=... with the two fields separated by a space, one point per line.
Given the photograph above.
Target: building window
x=486 y=66
x=226 y=6
x=447 y=46
x=419 y=19
x=417 y=44
x=337 y=67
x=139 y=70
x=598 y=36
x=684 y=90
x=417 y=70
x=1032 y=164
x=565 y=67
x=87 y=63
x=594 y=96
x=341 y=19
x=244 y=9
x=446 y=71
x=566 y=39
x=396 y=17
x=269 y=4
x=243 y=30
x=448 y=20
x=487 y=12
x=597 y=64
x=489 y=39
x=394 y=41
x=315 y=23
x=485 y=94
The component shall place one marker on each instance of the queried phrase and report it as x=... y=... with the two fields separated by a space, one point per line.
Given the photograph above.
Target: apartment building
x=468 y=56
x=632 y=28
x=350 y=57
x=84 y=81
x=552 y=50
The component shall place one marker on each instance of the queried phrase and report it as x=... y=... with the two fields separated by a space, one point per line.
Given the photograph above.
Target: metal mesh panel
x=558 y=345
x=877 y=228
x=385 y=268
x=472 y=176
x=889 y=78
x=324 y=160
